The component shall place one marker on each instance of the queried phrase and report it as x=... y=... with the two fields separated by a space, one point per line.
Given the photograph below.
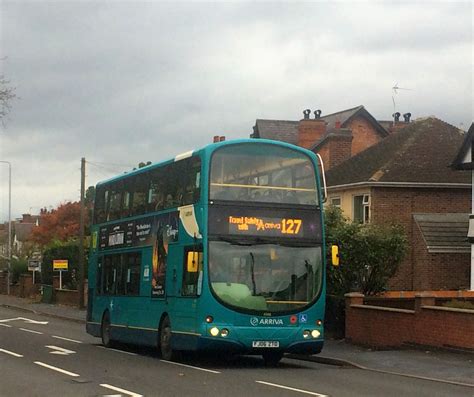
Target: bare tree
x=7 y=94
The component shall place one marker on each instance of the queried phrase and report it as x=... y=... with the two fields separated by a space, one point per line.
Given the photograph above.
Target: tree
x=60 y=224
x=62 y=250
x=7 y=94
x=369 y=255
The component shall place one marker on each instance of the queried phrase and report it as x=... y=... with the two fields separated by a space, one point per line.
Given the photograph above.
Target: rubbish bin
x=47 y=293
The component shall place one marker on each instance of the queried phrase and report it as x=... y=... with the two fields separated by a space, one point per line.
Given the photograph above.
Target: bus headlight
x=214 y=331
x=306 y=333
x=315 y=333
x=224 y=332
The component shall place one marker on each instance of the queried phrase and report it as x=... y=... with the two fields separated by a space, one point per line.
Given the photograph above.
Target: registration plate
x=265 y=343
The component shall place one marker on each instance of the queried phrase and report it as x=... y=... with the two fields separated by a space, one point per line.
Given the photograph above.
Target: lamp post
x=9 y=223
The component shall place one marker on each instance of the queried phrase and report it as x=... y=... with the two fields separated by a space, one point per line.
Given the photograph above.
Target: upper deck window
x=262 y=173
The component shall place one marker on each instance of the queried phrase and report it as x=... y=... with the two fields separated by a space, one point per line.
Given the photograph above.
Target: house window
x=361 y=208
x=336 y=202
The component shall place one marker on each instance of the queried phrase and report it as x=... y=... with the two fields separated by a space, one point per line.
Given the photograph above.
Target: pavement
x=414 y=362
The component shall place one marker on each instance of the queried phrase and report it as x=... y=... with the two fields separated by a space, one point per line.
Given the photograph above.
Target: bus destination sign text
x=267 y=226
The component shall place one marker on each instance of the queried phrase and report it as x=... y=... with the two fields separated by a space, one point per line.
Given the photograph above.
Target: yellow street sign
x=60 y=264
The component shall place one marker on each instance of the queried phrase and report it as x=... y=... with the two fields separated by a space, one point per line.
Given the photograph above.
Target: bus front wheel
x=272 y=358
x=167 y=352
x=105 y=330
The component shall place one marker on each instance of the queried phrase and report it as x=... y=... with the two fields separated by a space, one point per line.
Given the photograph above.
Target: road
x=44 y=356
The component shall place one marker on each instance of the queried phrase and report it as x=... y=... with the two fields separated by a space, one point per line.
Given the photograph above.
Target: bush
x=18 y=267
x=369 y=256
x=62 y=250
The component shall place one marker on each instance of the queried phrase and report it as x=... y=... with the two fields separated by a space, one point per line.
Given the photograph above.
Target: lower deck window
x=119 y=274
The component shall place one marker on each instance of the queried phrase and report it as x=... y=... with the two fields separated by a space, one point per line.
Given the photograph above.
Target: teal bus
x=219 y=249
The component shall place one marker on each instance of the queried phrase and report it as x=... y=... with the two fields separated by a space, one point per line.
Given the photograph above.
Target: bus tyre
x=272 y=358
x=105 y=330
x=167 y=352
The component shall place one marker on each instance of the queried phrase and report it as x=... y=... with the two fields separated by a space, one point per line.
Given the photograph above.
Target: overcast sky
x=120 y=83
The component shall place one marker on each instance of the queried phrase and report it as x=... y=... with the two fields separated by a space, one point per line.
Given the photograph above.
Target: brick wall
x=427 y=325
x=364 y=134
x=421 y=270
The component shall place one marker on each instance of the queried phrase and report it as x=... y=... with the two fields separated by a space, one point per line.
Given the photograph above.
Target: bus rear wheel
x=105 y=330
x=167 y=353
x=272 y=358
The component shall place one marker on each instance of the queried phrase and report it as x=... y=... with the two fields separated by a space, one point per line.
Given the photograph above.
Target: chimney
x=310 y=131
x=27 y=218
x=397 y=124
x=337 y=124
x=339 y=146
x=215 y=139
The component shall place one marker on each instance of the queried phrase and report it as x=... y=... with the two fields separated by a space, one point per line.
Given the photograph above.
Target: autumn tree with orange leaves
x=60 y=224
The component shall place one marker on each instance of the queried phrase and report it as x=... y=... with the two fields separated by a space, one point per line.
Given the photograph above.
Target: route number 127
x=290 y=226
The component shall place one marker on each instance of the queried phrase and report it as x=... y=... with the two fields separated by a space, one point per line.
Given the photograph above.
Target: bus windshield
x=264 y=277
x=262 y=173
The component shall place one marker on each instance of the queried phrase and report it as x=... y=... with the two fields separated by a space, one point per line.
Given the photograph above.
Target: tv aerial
x=395 y=89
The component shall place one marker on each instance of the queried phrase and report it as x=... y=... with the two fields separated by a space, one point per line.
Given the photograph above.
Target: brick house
x=465 y=161
x=406 y=179
x=336 y=137
x=21 y=232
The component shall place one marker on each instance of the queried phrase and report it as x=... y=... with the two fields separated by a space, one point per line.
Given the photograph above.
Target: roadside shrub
x=369 y=255
x=62 y=250
x=18 y=267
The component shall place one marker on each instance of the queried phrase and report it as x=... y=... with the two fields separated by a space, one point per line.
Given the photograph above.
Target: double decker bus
x=219 y=249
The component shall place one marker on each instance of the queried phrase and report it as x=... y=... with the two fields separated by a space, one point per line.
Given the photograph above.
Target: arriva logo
x=265 y=321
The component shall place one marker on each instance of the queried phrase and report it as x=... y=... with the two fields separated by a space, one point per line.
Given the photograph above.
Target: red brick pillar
x=424 y=299
x=354 y=298
x=352 y=322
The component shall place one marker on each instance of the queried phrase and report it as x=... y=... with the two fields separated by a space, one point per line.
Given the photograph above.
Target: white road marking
x=191 y=366
x=6 y=325
x=30 y=330
x=63 y=371
x=312 y=393
x=11 y=353
x=69 y=340
x=130 y=393
x=26 y=320
x=60 y=350
x=117 y=350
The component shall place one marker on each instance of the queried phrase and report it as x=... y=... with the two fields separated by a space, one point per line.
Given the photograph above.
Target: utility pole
x=81 y=235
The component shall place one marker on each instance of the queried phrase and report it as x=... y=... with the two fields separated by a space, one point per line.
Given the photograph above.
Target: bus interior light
x=209 y=319
x=306 y=333
x=224 y=332
x=315 y=333
x=214 y=331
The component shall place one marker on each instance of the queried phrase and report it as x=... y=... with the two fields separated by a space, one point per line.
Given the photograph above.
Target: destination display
x=264 y=222
x=254 y=225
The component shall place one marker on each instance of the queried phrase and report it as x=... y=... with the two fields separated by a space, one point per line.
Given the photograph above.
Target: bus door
x=185 y=285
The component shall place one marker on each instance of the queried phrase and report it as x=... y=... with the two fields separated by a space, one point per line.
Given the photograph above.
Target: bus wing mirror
x=335 y=255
